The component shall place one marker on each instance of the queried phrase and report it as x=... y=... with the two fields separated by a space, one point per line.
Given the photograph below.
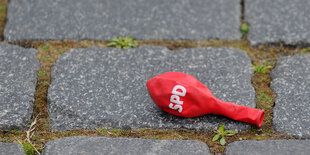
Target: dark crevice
x=244 y=26
x=24 y=44
x=242 y=9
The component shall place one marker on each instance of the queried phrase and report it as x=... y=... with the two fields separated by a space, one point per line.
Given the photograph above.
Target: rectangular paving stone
x=106 y=87
x=11 y=149
x=291 y=84
x=18 y=78
x=268 y=147
x=278 y=21
x=105 y=19
x=105 y=145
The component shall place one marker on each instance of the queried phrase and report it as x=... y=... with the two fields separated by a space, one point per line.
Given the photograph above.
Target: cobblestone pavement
x=99 y=87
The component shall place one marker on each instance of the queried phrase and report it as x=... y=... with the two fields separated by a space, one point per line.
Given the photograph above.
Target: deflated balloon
x=183 y=95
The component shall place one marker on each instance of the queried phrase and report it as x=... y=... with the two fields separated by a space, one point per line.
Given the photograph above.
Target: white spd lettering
x=176 y=104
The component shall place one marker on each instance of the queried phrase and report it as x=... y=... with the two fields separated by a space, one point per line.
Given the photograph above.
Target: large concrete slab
x=106 y=87
x=104 y=19
x=11 y=148
x=291 y=83
x=268 y=147
x=105 y=145
x=276 y=21
x=18 y=78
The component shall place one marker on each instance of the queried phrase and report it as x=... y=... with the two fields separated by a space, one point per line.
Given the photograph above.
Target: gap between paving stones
x=242 y=20
x=51 y=50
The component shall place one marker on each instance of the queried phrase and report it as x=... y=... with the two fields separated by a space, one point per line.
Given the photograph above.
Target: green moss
x=44 y=83
x=102 y=131
x=264 y=97
x=41 y=73
x=262 y=68
x=45 y=47
x=116 y=132
x=263 y=79
x=61 y=51
x=123 y=42
x=47 y=59
x=29 y=149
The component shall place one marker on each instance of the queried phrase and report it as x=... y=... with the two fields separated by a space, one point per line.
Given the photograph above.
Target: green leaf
x=215 y=138
x=222 y=141
x=111 y=44
x=221 y=128
x=231 y=132
x=244 y=28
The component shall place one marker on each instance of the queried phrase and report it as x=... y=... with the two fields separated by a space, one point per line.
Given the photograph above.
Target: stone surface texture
x=291 y=83
x=18 y=78
x=268 y=147
x=104 y=145
x=141 y=19
x=276 y=21
x=11 y=148
x=106 y=87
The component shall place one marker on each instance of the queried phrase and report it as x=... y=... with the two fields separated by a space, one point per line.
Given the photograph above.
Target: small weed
x=244 y=28
x=222 y=133
x=29 y=149
x=305 y=50
x=47 y=59
x=45 y=47
x=44 y=83
x=41 y=73
x=262 y=69
x=264 y=97
x=123 y=42
x=61 y=51
x=45 y=125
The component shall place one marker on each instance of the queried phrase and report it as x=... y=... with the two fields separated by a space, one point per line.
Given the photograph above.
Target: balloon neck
x=237 y=112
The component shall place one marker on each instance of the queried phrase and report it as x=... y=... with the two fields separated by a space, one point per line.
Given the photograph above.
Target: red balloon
x=183 y=95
